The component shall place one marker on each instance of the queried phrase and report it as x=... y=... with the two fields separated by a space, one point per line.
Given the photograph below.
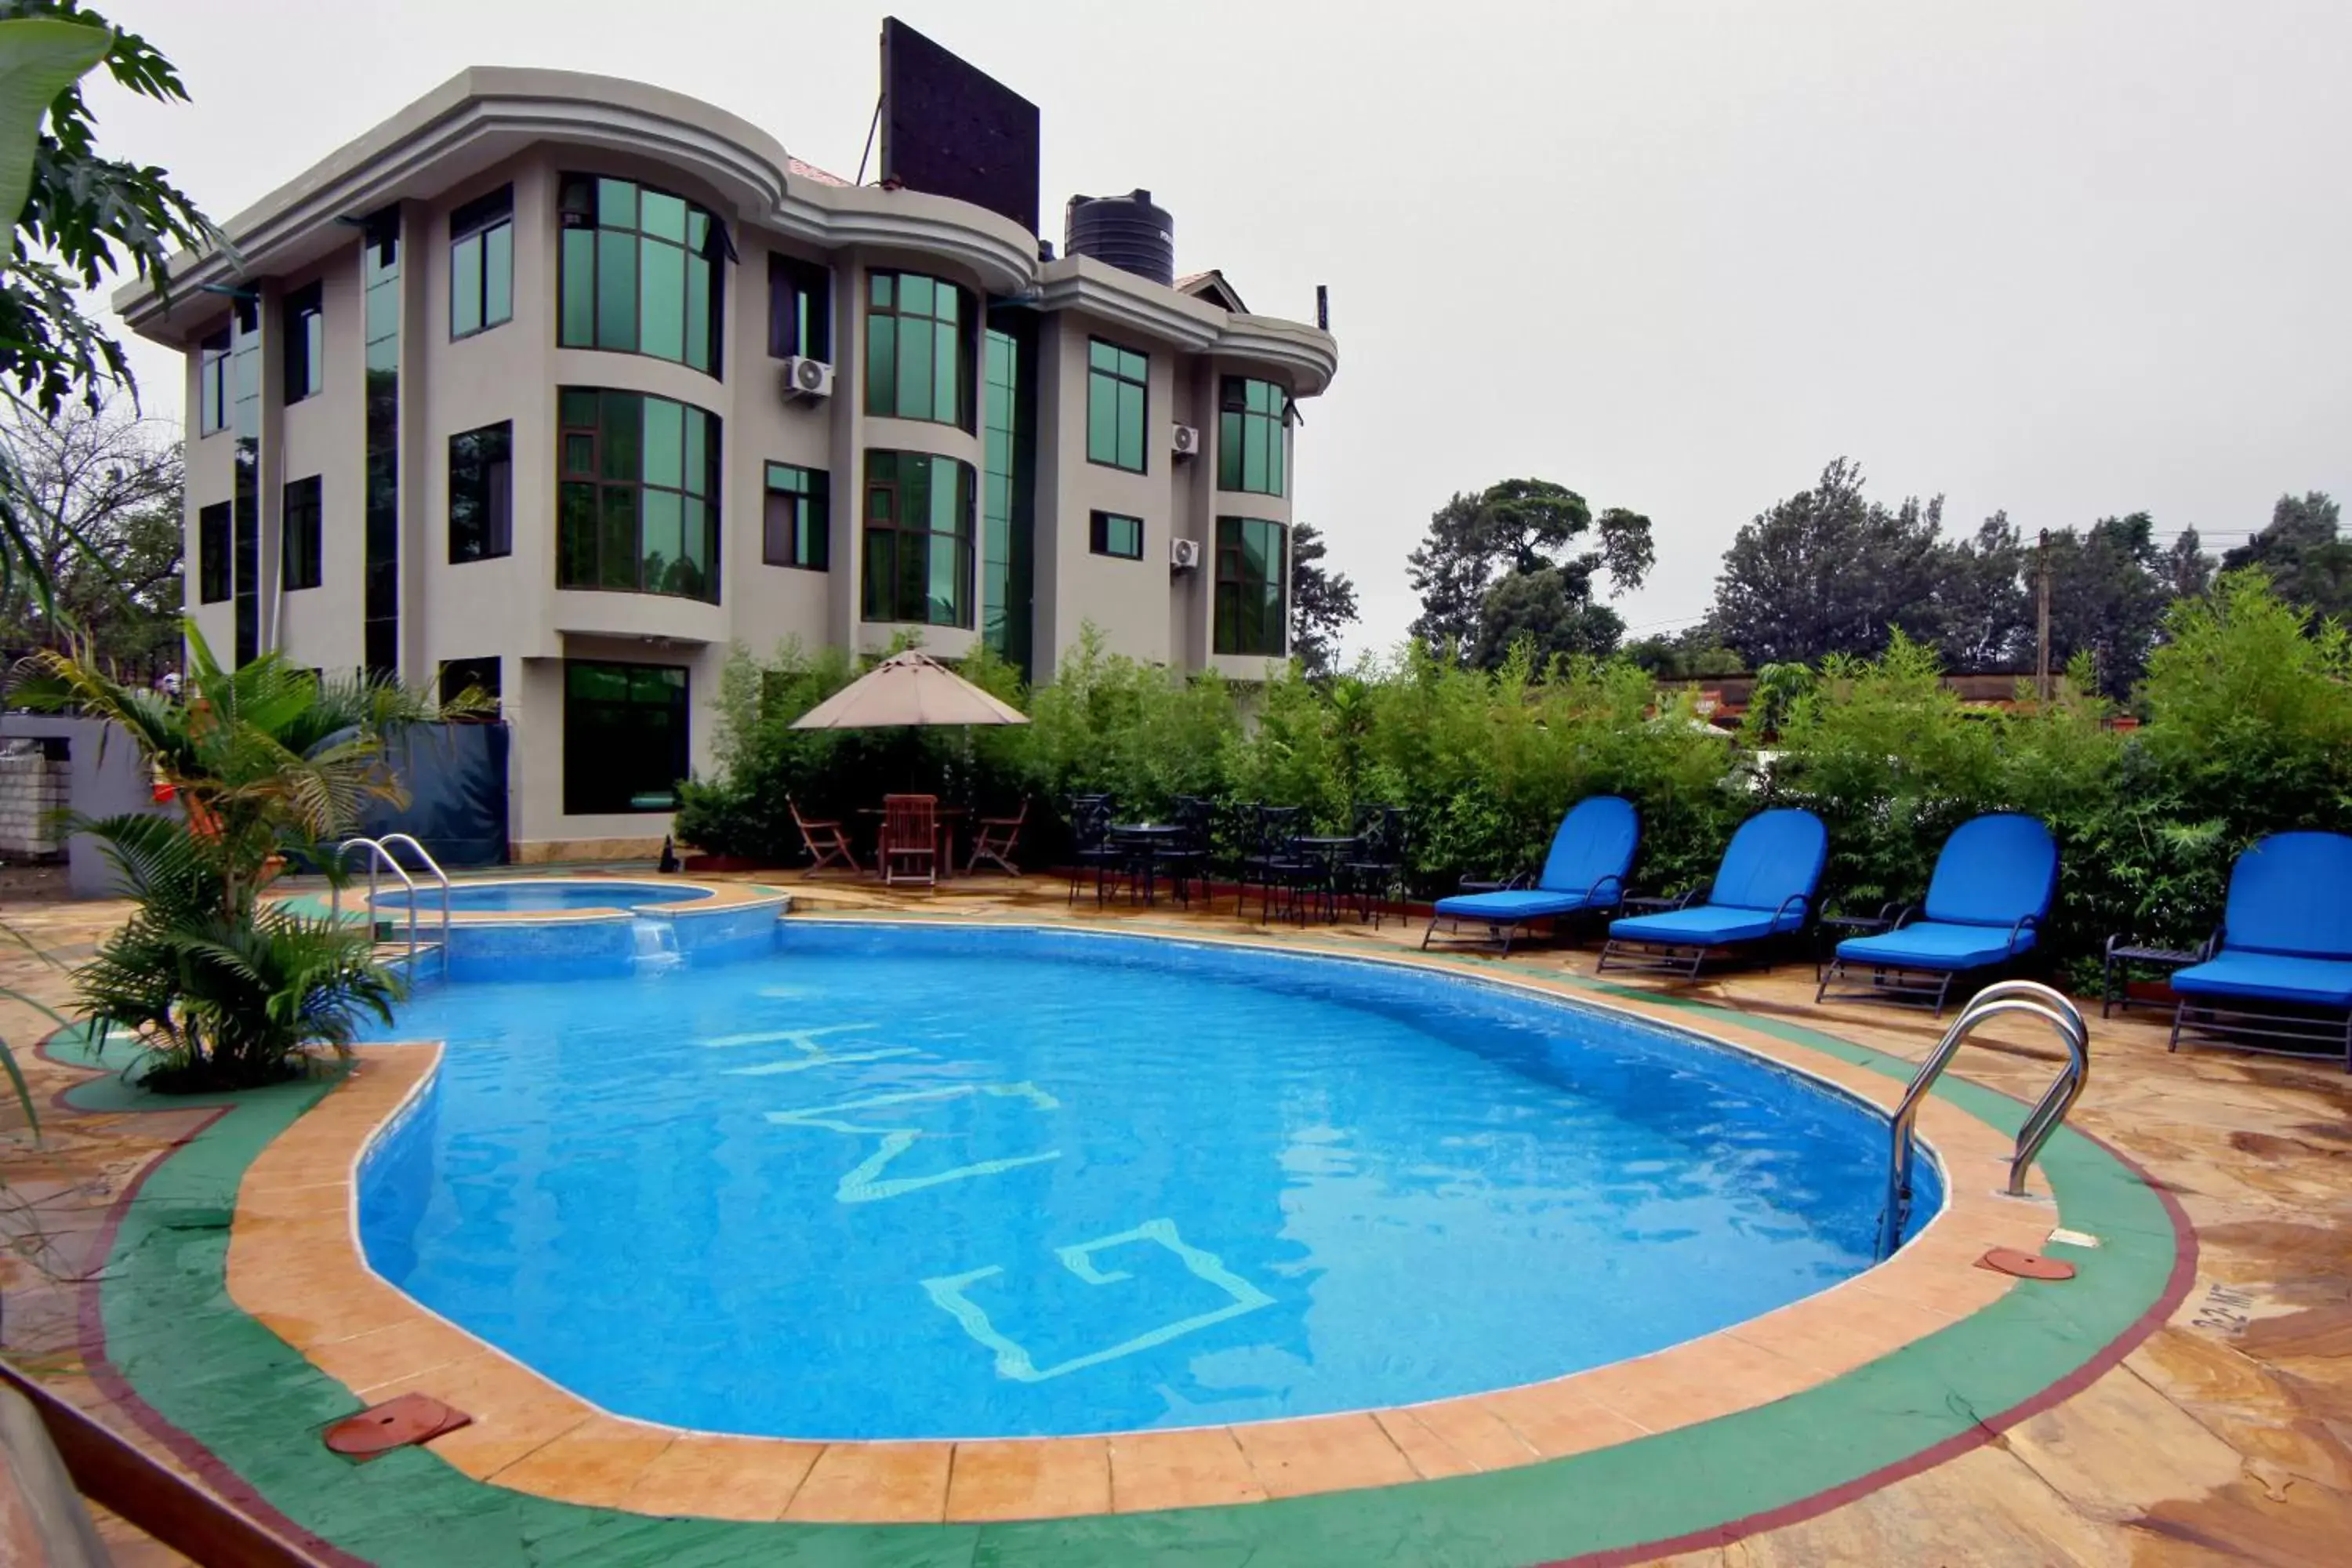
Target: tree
x=99 y=500
x=2188 y=570
x=223 y=988
x=1829 y=570
x=1983 y=616
x=2108 y=590
x=1500 y=566
x=1321 y=602
x=1689 y=655
x=2305 y=553
x=79 y=220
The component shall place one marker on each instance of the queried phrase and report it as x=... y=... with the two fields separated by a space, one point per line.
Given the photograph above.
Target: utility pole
x=2042 y=632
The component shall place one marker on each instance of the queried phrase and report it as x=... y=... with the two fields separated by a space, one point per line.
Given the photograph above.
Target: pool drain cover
x=2025 y=1265
x=394 y=1424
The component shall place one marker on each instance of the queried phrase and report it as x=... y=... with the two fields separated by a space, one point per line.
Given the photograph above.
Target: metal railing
x=2025 y=997
x=379 y=855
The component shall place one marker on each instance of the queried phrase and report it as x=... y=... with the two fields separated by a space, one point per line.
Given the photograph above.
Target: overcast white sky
x=2067 y=258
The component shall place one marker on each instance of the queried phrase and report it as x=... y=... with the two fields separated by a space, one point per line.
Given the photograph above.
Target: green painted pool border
x=233 y=1398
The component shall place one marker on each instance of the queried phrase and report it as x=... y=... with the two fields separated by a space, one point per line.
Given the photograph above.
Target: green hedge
x=2245 y=728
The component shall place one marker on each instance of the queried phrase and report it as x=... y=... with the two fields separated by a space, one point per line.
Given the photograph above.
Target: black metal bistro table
x=1330 y=848
x=1146 y=839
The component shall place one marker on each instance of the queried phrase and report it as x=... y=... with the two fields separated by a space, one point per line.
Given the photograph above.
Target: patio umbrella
x=907 y=689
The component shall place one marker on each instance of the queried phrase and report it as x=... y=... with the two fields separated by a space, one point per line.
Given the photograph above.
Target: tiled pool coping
x=1845 y=1366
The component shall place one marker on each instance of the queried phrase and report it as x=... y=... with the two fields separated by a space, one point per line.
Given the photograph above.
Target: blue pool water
x=921 y=1182
x=508 y=896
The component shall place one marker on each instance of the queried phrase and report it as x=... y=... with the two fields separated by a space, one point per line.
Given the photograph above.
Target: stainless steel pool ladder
x=2021 y=997
x=379 y=855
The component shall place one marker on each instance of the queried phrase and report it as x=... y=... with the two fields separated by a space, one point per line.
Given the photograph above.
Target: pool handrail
x=380 y=854
x=2021 y=997
x=392 y=839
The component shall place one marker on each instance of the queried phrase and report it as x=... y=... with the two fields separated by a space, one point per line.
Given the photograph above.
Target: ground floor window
x=459 y=676
x=625 y=741
x=1251 y=558
x=919 y=526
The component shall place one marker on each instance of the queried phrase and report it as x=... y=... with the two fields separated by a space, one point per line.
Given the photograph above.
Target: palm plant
x=264 y=760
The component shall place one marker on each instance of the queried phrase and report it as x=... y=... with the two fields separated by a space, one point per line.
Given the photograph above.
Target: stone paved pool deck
x=2219 y=1430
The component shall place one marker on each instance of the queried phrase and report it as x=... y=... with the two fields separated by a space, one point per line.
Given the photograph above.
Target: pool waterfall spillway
x=654 y=943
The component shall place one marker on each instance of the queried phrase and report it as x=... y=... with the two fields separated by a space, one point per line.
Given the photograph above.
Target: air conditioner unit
x=1186 y=441
x=804 y=379
x=1184 y=555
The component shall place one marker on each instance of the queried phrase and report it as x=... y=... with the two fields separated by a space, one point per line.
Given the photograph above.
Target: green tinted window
x=798 y=520
x=212 y=385
x=1252 y=430
x=636 y=494
x=919 y=353
x=1252 y=563
x=917 y=539
x=1112 y=534
x=641 y=273
x=481 y=264
x=1118 y=397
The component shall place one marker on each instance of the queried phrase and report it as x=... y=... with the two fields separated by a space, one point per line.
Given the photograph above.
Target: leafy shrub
x=2248 y=729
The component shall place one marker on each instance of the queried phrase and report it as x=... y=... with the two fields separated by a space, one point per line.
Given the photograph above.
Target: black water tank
x=1127 y=232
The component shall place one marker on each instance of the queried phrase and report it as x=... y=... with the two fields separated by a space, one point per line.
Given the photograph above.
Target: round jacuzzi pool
x=544 y=895
x=927 y=1182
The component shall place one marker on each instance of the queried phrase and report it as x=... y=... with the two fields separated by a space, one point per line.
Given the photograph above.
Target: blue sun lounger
x=1591 y=856
x=1764 y=888
x=1985 y=904
x=2281 y=964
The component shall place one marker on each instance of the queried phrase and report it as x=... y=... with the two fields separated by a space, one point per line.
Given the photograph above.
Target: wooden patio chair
x=910 y=834
x=998 y=837
x=826 y=842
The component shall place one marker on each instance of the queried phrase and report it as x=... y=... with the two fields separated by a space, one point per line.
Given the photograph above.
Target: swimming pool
x=903 y=1182
x=545 y=895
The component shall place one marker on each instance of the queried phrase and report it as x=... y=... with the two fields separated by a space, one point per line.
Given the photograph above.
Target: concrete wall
x=32 y=792
x=104 y=778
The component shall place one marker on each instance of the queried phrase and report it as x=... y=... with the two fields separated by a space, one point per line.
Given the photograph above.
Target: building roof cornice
x=485 y=115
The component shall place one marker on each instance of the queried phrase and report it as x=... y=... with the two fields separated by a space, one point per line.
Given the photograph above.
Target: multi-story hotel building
x=562 y=384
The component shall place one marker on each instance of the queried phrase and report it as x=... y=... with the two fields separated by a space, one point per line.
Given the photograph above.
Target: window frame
x=1098 y=529
x=896 y=482
x=799 y=308
x=304 y=313
x=1226 y=629
x=302 y=535
x=1236 y=418
x=600 y=515
x=1118 y=379
x=215 y=397
x=714 y=250
x=476 y=224
x=890 y=314
x=489 y=449
x=215 y=567
x=586 y=762
x=811 y=549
